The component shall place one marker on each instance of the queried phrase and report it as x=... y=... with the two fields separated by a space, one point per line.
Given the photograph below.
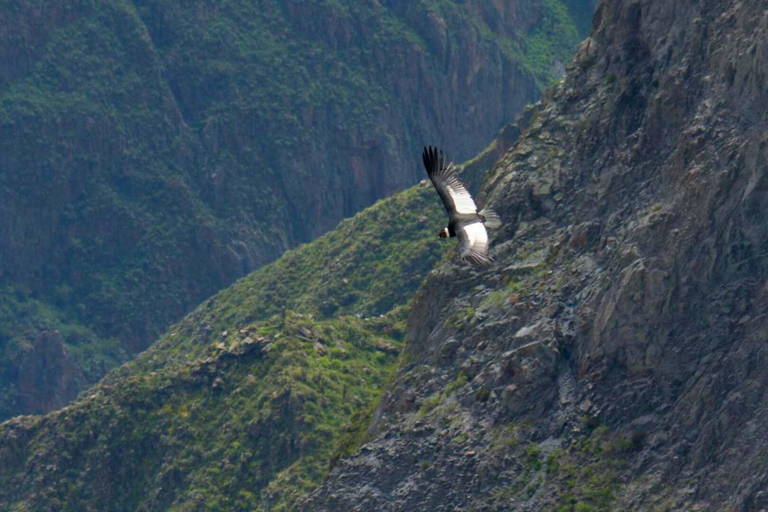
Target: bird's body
x=464 y=221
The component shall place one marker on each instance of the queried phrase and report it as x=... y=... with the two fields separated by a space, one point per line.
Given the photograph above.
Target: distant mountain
x=153 y=152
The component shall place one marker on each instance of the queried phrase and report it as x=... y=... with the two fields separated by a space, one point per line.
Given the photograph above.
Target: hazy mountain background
x=153 y=152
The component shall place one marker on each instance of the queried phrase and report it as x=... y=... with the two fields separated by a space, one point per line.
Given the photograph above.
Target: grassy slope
x=243 y=403
x=126 y=109
x=365 y=267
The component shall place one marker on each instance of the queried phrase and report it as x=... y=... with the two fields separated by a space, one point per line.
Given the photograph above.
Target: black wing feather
x=445 y=179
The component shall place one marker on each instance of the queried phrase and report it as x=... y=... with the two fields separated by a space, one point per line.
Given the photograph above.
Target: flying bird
x=464 y=221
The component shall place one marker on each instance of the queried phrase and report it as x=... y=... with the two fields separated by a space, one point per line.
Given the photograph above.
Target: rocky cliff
x=152 y=152
x=613 y=358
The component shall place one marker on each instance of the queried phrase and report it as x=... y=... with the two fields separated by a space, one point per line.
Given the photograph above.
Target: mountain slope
x=153 y=152
x=243 y=404
x=611 y=359
x=614 y=356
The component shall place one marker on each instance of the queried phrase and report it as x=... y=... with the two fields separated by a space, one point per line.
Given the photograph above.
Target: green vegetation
x=534 y=456
x=504 y=437
x=591 y=474
x=548 y=45
x=551 y=41
x=587 y=476
x=367 y=266
x=435 y=400
x=482 y=395
x=257 y=421
x=155 y=151
x=21 y=317
x=246 y=402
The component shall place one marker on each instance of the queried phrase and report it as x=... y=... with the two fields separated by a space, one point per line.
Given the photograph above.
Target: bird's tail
x=491 y=218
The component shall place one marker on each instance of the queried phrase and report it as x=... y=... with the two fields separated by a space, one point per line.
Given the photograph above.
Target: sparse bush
x=482 y=395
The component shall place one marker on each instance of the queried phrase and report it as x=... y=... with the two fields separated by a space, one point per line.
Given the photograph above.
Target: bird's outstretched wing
x=446 y=181
x=473 y=243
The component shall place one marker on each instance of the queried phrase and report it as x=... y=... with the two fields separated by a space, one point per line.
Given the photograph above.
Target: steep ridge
x=243 y=404
x=613 y=358
x=153 y=152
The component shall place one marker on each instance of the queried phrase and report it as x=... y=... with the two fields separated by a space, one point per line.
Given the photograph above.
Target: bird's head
x=443 y=233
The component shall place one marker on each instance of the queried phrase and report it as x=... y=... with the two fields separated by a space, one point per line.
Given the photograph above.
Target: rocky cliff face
x=152 y=153
x=49 y=378
x=613 y=358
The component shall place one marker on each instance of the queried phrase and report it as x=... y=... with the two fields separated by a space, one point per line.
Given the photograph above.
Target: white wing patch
x=461 y=198
x=474 y=242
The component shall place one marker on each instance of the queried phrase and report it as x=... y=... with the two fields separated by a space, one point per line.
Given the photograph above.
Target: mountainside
x=614 y=356
x=244 y=403
x=153 y=152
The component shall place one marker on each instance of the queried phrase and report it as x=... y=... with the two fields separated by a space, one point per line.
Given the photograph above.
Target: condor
x=464 y=221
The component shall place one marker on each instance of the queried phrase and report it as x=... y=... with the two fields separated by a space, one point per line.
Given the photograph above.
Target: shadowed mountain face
x=152 y=152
